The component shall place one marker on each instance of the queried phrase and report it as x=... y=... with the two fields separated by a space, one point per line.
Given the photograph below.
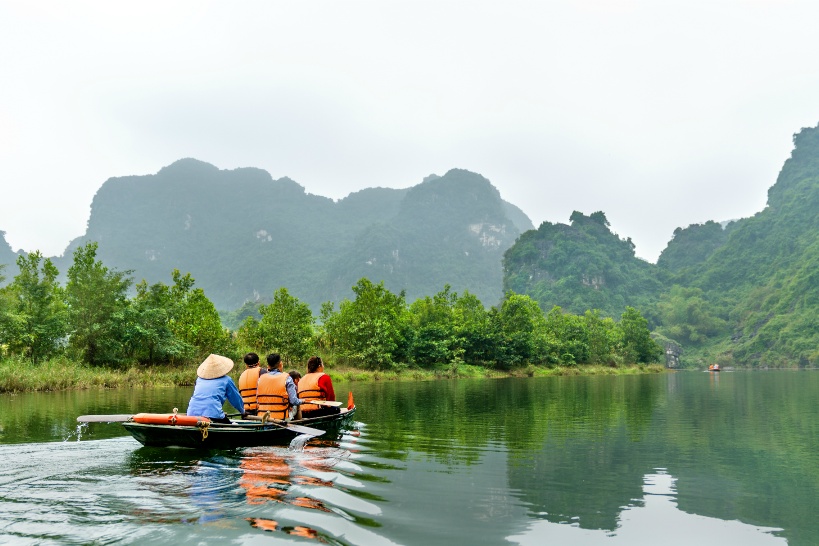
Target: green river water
x=680 y=458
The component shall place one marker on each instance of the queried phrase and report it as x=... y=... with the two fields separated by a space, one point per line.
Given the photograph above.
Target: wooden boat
x=240 y=433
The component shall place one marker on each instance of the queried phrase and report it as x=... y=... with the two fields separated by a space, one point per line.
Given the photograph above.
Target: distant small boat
x=713 y=368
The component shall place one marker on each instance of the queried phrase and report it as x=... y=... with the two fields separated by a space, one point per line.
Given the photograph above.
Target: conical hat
x=214 y=366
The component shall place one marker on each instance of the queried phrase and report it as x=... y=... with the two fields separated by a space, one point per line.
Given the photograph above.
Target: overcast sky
x=661 y=113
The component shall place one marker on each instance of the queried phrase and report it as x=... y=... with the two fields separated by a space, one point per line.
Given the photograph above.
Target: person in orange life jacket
x=213 y=387
x=276 y=391
x=249 y=380
x=316 y=385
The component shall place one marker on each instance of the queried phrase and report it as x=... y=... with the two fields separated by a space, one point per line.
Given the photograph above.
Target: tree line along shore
x=92 y=332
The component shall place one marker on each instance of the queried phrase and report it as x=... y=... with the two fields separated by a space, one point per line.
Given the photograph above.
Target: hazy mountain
x=451 y=229
x=8 y=258
x=242 y=234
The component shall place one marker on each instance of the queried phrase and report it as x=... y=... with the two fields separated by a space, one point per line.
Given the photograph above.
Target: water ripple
x=113 y=491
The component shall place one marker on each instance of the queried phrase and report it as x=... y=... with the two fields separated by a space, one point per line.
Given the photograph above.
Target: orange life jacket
x=248 y=382
x=271 y=395
x=309 y=390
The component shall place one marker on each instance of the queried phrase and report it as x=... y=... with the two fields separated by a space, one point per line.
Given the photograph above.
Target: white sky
x=661 y=113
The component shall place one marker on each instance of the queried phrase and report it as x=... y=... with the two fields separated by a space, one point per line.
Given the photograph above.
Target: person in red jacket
x=316 y=385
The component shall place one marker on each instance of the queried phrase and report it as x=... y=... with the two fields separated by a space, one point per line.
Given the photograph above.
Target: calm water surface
x=685 y=458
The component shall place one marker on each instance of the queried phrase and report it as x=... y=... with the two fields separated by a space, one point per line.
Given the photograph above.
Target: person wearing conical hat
x=213 y=387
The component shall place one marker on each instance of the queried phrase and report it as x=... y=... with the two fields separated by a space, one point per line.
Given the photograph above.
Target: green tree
x=286 y=327
x=97 y=300
x=568 y=338
x=636 y=344
x=369 y=331
x=249 y=334
x=519 y=325
x=37 y=321
x=150 y=338
x=176 y=322
x=687 y=317
x=602 y=337
x=475 y=339
x=432 y=323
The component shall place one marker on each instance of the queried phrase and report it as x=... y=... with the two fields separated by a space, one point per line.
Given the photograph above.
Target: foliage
x=635 y=339
x=686 y=316
x=692 y=246
x=176 y=322
x=97 y=303
x=369 y=330
x=579 y=267
x=286 y=327
x=446 y=331
x=36 y=322
x=433 y=325
x=518 y=324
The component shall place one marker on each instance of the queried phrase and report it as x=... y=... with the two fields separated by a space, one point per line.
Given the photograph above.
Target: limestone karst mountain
x=242 y=234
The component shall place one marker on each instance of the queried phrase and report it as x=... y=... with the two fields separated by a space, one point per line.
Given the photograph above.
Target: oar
x=295 y=428
x=325 y=403
x=103 y=418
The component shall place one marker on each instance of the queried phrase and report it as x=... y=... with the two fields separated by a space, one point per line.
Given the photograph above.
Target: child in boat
x=296 y=376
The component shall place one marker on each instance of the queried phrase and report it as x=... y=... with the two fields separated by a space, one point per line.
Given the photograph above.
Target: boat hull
x=239 y=434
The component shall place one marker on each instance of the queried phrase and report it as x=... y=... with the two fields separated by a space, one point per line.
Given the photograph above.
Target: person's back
x=276 y=391
x=316 y=385
x=213 y=386
x=249 y=381
x=272 y=394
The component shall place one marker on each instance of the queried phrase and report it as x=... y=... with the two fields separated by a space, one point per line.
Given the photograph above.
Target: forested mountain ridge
x=579 y=267
x=242 y=234
x=759 y=290
x=745 y=293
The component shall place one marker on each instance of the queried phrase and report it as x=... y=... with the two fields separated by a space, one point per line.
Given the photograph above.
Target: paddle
x=103 y=418
x=325 y=403
x=295 y=428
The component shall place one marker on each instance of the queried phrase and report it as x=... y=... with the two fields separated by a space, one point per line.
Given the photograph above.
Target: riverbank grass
x=18 y=375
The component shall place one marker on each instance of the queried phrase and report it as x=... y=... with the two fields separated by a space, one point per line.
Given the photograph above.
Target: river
x=680 y=458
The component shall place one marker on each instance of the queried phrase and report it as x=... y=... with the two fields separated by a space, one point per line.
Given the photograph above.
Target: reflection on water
x=685 y=458
x=645 y=520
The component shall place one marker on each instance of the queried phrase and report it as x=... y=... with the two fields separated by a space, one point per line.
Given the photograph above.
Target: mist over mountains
x=242 y=234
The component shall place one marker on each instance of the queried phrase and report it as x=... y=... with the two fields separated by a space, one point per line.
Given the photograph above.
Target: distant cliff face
x=242 y=235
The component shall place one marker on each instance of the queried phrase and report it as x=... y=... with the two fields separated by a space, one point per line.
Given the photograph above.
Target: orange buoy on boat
x=169 y=419
x=350 y=403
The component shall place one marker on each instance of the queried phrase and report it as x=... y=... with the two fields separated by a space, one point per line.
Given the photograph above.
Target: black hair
x=273 y=360
x=251 y=359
